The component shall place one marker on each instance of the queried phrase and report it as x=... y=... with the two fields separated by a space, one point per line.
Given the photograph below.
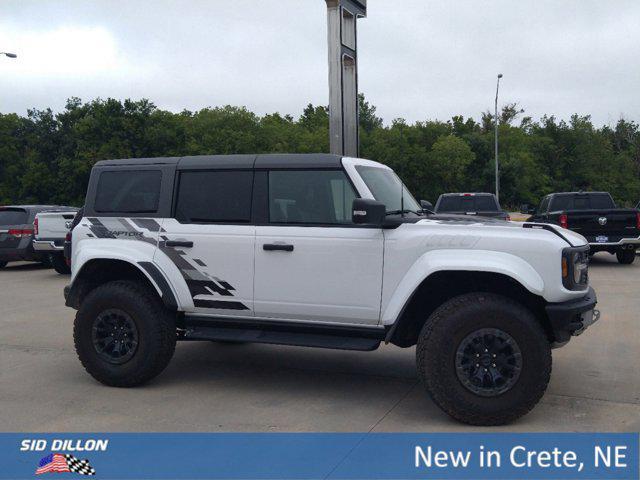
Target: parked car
x=320 y=251
x=67 y=239
x=16 y=234
x=50 y=229
x=595 y=216
x=481 y=204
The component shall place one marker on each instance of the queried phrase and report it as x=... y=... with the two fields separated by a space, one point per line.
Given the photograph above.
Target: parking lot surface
x=595 y=383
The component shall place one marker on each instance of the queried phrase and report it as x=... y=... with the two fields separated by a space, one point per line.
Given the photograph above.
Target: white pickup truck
x=320 y=251
x=49 y=231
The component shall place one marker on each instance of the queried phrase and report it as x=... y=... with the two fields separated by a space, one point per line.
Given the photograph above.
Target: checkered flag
x=79 y=466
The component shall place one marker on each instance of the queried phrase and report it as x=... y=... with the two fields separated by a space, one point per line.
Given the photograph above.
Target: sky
x=418 y=59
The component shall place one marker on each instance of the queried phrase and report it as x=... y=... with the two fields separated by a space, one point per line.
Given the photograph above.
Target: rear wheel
x=3 y=264
x=484 y=359
x=60 y=264
x=123 y=334
x=626 y=257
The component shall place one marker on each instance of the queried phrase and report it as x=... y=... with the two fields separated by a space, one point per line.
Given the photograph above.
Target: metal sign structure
x=342 y=16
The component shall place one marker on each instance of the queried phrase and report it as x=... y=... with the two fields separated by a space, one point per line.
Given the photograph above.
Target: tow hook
x=588 y=319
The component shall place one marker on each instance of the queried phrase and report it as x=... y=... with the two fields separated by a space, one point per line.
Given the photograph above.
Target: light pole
x=496 y=125
x=10 y=55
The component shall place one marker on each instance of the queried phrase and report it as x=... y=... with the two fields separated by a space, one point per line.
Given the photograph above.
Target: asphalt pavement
x=208 y=386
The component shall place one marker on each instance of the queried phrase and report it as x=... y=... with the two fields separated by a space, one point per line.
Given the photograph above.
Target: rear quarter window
x=128 y=191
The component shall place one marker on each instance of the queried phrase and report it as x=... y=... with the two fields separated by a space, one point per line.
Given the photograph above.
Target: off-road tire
x=626 y=257
x=3 y=264
x=156 y=331
x=441 y=336
x=60 y=264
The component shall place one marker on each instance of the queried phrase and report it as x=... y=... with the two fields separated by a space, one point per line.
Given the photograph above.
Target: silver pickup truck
x=50 y=229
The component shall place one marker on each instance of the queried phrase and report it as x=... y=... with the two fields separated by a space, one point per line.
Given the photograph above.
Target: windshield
x=582 y=201
x=467 y=203
x=386 y=188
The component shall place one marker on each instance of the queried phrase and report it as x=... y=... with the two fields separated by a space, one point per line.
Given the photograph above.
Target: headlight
x=575 y=268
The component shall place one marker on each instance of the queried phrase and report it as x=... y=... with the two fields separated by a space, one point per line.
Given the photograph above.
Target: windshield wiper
x=400 y=212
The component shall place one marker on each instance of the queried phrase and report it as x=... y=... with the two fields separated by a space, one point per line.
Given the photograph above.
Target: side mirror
x=368 y=212
x=425 y=205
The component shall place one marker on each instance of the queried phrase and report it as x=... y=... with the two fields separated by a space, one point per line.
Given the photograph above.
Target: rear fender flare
x=137 y=254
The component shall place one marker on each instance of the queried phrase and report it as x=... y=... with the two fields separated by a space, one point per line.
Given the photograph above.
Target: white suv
x=320 y=251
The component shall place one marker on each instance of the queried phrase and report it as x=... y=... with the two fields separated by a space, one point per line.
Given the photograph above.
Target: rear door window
x=128 y=191
x=214 y=197
x=13 y=217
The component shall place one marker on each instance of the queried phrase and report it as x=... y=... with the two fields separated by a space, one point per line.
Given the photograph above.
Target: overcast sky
x=418 y=59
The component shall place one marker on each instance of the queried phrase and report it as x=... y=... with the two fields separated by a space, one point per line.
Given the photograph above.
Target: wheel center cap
x=485 y=360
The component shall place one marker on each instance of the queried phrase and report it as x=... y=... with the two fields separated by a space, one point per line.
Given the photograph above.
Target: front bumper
x=48 y=246
x=572 y=318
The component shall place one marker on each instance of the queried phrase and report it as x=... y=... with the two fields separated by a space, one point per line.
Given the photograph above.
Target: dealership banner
x=319 y=455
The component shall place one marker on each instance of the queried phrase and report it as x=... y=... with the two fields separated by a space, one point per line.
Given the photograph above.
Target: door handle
x=178 y=243
x=271 y=247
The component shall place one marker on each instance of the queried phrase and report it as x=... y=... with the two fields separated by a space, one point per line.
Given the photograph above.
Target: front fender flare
x=459 y=260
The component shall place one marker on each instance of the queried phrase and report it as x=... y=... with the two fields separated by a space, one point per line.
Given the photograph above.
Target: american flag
x=54 y=462
x=57 y=462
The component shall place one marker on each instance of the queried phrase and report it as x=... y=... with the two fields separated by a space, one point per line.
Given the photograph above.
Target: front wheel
x=484 y=359
x=626 y=257
x=123 y=334
x=3 y=264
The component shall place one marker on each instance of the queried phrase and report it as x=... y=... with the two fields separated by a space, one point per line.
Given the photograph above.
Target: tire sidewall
x=486 y=311
x=59 y=264
x=112 y=297
x=626 y=257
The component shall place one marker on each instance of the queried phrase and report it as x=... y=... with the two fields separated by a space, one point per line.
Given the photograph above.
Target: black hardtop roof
x=277 y=160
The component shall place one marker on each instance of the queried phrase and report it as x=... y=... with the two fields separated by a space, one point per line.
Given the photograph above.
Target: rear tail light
x=19 y=232
x=508 y=217
x=564 y=223
x=638 y=220
x=35 y=226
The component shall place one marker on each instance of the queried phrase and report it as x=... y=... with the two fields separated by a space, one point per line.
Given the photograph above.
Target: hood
x=572 y=238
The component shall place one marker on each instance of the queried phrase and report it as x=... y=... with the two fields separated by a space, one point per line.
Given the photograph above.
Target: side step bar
x=364 y=338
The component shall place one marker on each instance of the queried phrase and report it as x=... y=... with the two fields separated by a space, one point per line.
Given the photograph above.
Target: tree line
x=46 y=157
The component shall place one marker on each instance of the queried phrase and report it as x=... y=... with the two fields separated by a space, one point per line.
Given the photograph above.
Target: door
x=211 y=240
x=312 y=263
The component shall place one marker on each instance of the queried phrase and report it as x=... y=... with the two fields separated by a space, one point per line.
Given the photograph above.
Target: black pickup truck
x=481 y=204
x=595 y=216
